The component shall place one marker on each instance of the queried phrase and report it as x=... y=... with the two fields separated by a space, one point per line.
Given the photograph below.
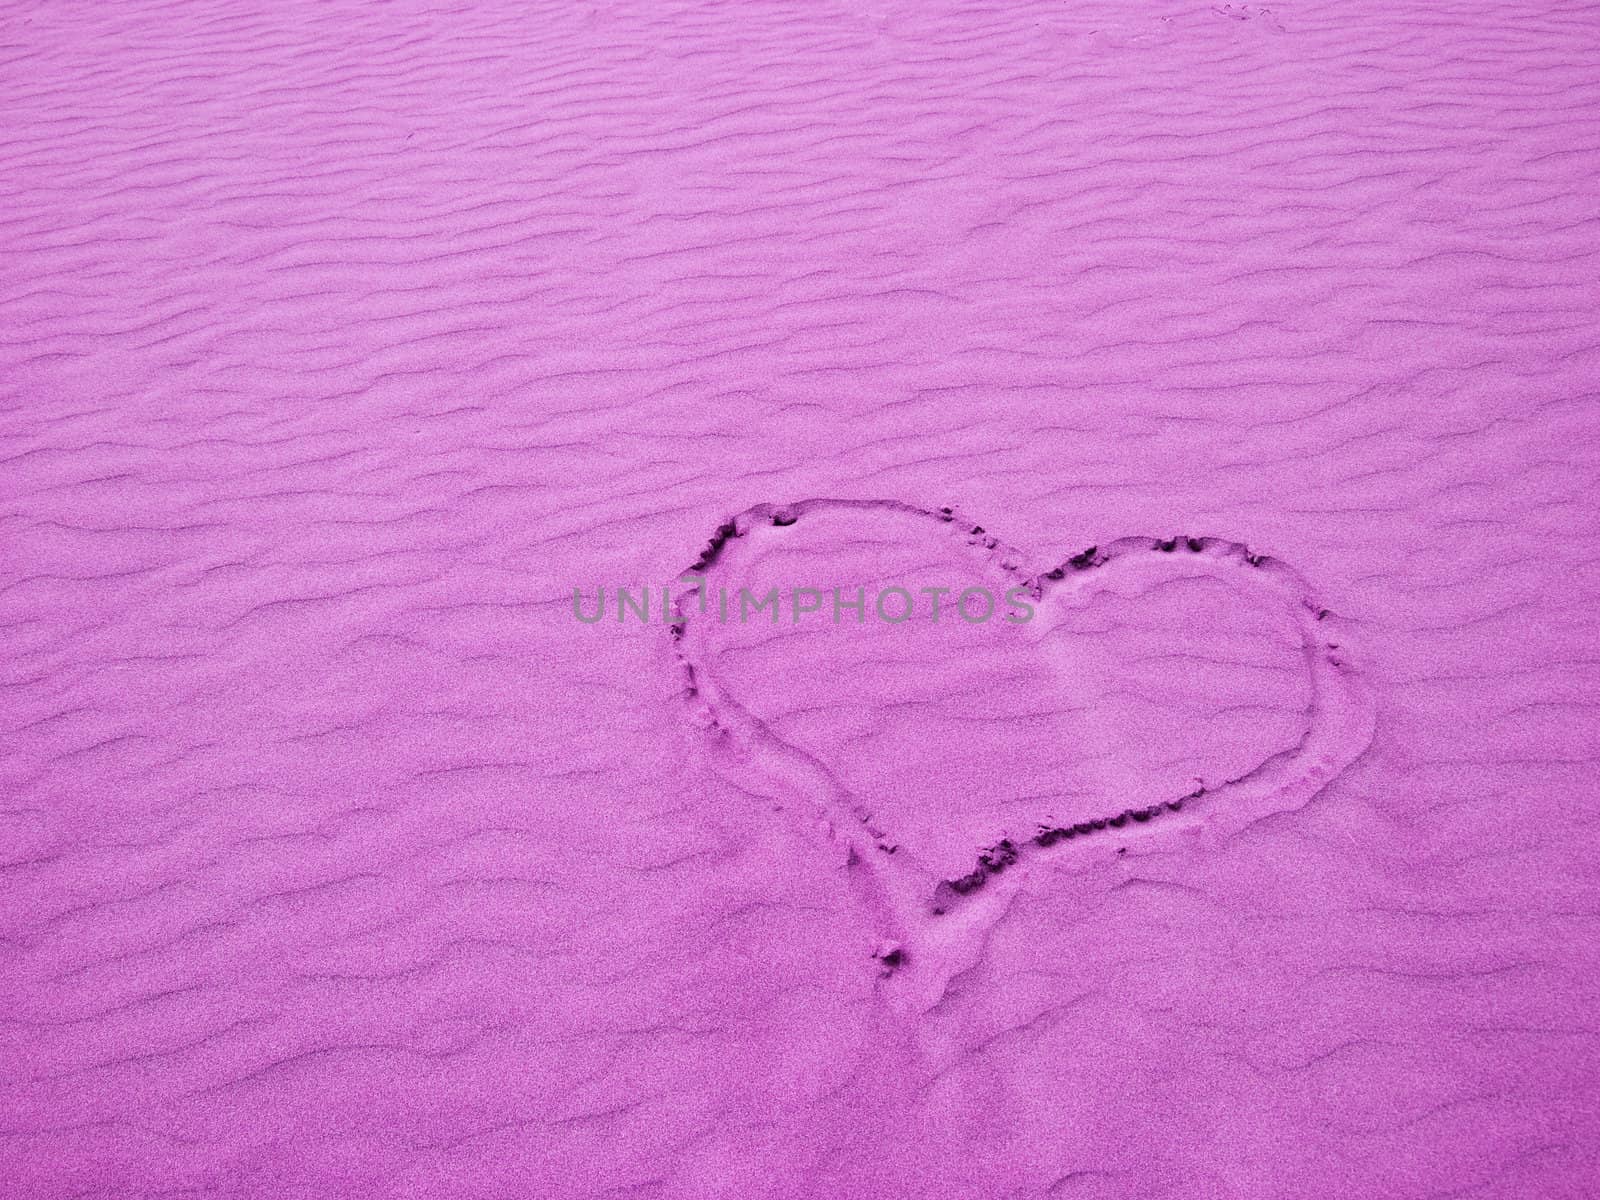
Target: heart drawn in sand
x=957 y=716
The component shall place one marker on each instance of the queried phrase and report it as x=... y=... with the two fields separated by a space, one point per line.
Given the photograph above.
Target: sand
x=343 y=343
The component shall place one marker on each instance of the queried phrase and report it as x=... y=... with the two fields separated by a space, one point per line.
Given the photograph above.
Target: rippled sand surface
x=343 y=343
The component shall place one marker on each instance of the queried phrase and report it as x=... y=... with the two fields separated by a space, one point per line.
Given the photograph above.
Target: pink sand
x=343 y=341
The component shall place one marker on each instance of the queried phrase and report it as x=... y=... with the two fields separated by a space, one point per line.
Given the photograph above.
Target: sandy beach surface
x=351 y=353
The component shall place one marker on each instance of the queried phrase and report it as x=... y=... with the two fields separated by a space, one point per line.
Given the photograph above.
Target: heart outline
x=931 y=926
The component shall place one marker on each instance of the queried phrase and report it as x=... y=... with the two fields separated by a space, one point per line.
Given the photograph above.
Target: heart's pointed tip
x=893 y=956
